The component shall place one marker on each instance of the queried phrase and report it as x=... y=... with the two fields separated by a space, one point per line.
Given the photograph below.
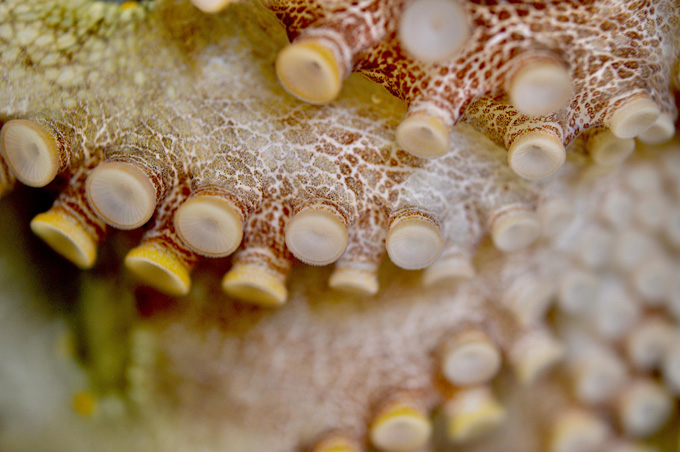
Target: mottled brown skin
x=613 y=50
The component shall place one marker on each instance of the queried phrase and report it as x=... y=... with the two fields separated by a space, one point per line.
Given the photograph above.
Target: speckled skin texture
x=615 y=50
x=193 y=100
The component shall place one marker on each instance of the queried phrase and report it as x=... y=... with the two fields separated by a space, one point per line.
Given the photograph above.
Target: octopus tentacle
x=152 y=112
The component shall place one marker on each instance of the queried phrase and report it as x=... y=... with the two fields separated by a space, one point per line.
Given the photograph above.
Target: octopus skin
x=544 y=317
x=552 y=70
